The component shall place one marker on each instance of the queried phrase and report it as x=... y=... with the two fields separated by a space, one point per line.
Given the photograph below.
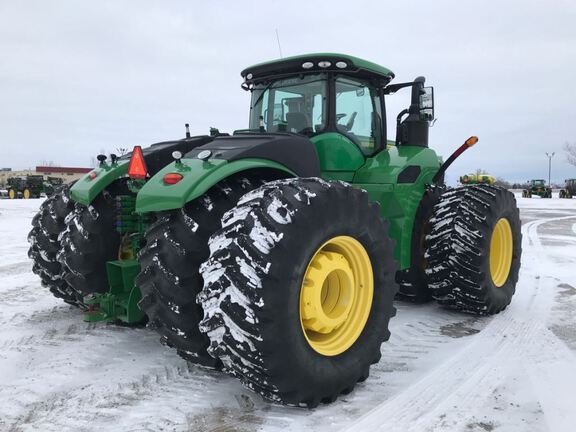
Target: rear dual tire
x=89 y=241
x=45 y=243
x=176 y=245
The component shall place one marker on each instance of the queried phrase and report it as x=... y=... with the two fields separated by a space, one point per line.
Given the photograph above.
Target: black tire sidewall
x=502 y=208
x=311 y=369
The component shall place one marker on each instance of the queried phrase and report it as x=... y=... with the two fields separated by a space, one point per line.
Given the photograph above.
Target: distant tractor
x=473 y=179
x=538 y=188
x=275 y=253
x=30 y=186
x=569 y=189
x=51 y=184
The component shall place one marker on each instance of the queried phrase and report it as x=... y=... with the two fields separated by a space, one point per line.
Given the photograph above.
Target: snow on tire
x=413 y=282
x=460 y=248
x=89 y=241
x=44 y=239
x=256 y=275
x=176 y=245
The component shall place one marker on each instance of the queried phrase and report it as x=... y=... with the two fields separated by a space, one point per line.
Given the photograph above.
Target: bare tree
x=49 y=163
x=570 y=149
x=480 y=171
x=122 y=150
x=503 y=183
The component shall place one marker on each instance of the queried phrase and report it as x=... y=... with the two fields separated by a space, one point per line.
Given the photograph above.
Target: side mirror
x=426 y=104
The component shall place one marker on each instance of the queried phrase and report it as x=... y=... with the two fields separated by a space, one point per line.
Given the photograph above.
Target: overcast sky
x=78 y=77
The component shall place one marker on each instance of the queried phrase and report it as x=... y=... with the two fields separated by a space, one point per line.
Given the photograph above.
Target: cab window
x=359 y=114
x=296 y=105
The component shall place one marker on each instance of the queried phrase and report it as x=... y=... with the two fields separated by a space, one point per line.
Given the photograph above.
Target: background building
x=68 y=174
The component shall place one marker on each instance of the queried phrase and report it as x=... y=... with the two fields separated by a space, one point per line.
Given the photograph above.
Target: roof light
x=341 y=65
x=307 y=65
x=249 y=76
x=204 y=155
x=172 y=178
x=137 y=168
x=324 y=64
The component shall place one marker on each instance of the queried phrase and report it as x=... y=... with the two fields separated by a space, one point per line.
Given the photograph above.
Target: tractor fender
x=198 y=176
x=90 y=185
x=156 y=157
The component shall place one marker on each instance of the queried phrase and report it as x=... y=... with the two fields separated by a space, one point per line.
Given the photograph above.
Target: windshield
x=296 y=104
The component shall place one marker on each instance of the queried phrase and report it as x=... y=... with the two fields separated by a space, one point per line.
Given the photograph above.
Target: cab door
x=355 y=132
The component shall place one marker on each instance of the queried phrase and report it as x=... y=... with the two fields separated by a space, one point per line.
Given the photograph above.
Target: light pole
x=549 y=166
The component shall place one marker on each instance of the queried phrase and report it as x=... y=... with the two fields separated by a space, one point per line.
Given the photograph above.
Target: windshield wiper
x=262 y=94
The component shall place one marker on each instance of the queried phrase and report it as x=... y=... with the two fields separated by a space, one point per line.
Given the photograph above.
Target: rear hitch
x=120 y=303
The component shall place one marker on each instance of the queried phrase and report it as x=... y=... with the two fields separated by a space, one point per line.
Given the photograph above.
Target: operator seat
x=297 y=122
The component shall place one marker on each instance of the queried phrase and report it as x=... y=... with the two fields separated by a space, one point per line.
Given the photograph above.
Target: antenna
x=279 y=47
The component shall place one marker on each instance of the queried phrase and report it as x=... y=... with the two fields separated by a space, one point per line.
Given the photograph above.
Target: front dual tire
x=474 y=249
x=298 y=290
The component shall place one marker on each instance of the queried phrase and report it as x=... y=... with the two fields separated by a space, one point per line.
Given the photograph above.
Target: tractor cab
x=320 y=94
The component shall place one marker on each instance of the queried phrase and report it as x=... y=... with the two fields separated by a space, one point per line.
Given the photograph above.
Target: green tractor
x=276 y=253
x=51 y=184
x=538 y=188
x=569 y=189
x=471 y=179
x=30 y=186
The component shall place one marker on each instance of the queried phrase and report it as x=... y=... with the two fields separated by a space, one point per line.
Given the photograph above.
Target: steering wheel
x=340 y=117
x=350 y=122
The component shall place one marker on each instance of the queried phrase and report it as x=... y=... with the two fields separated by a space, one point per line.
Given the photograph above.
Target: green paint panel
x=345 y=176
x=198 y=177
x=337 y=153
x=398 y=201
x=341 y=159
x=87 y=188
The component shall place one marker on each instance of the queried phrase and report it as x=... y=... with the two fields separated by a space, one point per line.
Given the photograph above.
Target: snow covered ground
x=440 y=371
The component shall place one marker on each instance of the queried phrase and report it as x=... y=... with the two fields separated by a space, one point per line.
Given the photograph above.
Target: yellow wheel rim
x=12 y=194
x=26 y=194
x=501 y=252
x=336 y=295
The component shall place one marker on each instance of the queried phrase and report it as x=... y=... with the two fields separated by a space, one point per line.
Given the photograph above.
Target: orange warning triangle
x=137 y=168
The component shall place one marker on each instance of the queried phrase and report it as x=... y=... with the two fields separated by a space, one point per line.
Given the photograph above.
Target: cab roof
x=315 y=63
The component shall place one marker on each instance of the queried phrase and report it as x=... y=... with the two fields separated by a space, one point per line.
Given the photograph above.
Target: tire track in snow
x=469 y=376
x=76 y=408
x=119 y=405
x=412 y=340
x=17 y=268
x=53 y=335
